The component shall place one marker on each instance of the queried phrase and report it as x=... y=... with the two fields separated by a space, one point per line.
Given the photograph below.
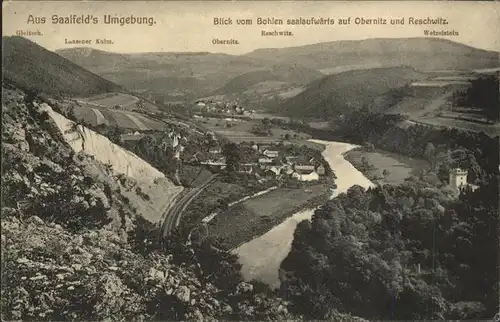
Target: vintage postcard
x=252 y=160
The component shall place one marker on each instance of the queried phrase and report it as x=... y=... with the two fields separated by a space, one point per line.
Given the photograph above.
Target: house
x=300 y=160
x=276 y=170
x=305 y=167
x=247 y=168
x=272 y=171
x=215 y=150
x=255 y=147
x=292 y=159
x=265 y=161
x=219 y=164
x=458 y=179
x=201 y=104
x=287 y=169
x=270 y=153
x=305 y=175
x=263 y=147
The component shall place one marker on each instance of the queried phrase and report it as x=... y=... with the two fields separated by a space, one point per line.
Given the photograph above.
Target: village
x=230 y=107
x=267 y=161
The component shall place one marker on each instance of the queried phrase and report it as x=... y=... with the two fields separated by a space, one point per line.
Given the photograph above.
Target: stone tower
x=458 y=178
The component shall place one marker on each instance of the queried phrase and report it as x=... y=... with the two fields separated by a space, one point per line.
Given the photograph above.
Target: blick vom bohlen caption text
x=228 y=21
x=107 y=19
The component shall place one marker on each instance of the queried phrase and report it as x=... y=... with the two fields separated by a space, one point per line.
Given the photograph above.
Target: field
x=254 y=217
x=240 y=132
x=124 y=101
x=346 y=68
x=473 y=126
x=319 y=125
x=291 y=92
x=432 y=105
x=399 y=167
x=112 y=100
x=123 y=119
x=102 y=109
x=209 y=199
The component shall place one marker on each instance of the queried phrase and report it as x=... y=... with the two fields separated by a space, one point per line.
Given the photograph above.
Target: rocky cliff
x=74 y=245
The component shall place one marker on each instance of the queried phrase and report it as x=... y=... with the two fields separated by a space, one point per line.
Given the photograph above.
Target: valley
x=192 y=186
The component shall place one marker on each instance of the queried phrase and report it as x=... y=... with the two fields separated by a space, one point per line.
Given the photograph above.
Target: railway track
x=174 y=213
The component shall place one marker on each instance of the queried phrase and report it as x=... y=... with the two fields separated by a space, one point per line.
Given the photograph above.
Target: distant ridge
x=176 y=74
x=416 y=52
x=345 y=92
x=374 y=40
x=184 y=76
x=292 y=75
x=33 y=67
x=63 y=51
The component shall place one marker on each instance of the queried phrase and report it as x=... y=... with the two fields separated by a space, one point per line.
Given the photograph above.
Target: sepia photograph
x=250 y=160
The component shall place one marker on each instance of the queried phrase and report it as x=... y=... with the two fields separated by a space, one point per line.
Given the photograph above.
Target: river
x=262 y=256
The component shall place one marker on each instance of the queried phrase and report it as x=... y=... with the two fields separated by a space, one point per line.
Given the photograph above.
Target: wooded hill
x=33 y=67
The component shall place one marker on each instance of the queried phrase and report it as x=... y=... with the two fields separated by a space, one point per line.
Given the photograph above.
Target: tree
x=287 y=136
x=362 y=244
x=261 y=130
x=364 y=163
x=430 y=152
x=231 y=152
x=115 y=135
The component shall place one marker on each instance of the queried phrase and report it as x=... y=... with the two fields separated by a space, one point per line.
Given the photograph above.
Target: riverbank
x=210 y=217
x=382 y=167
x=253 y=217
x=262 y=256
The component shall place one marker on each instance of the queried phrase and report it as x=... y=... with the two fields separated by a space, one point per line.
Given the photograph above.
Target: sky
x=188 y=26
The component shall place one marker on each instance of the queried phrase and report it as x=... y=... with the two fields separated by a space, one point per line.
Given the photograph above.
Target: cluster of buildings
x=272 y=163
x=223 y=107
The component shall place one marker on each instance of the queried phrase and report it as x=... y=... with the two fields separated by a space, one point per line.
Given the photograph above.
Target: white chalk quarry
x=160 y=189
x=103 y=149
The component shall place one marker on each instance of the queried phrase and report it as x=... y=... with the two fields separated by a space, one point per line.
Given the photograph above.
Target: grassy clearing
x=489 y=129
x=399 y=167
x=240 y=131
x=255 y=217
x=114 y=118
x=150 y=123
x=112 y=99
x=210 y=200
